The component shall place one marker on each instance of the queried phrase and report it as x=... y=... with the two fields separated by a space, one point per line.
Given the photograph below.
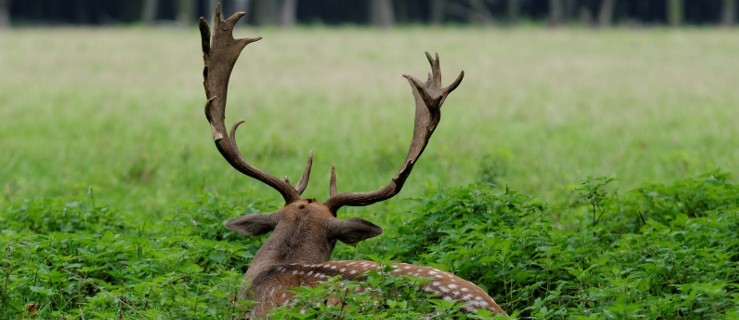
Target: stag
x=305 y=231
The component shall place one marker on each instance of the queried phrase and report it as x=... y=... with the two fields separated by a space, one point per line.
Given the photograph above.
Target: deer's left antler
x=429 y=97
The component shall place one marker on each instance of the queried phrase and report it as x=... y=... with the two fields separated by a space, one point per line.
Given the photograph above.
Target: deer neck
x=289 y=246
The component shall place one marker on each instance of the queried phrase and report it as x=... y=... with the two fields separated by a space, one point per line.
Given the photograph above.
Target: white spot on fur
x=484 y=304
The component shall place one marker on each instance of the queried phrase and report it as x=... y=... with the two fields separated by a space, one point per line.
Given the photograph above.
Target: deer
x=305 y=231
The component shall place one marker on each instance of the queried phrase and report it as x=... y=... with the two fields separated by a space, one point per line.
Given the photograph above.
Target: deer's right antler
x=220 y=52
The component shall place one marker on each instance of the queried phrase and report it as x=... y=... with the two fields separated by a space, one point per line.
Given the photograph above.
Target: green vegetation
x=659 y=251
x=113 y=194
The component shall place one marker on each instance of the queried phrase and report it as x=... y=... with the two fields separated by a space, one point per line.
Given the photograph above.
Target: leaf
x=42 y=290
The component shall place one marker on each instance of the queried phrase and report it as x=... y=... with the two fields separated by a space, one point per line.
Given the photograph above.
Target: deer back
x=272 y=288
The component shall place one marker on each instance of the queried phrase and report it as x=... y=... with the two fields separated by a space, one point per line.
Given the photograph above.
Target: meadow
x=113 y=193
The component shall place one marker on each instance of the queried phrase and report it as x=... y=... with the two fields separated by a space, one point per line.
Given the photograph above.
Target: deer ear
x=353 y=230
x=252 y=224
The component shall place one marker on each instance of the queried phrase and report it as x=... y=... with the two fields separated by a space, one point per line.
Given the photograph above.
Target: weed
x=593 y=191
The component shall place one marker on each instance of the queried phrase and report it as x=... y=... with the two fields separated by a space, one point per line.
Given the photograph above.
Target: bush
x=680 y=261
x=659 y=251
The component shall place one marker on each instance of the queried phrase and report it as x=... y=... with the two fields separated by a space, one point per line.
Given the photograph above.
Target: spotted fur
x=441 y=283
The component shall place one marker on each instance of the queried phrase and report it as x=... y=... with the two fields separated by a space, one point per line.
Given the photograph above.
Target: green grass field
x=121 y=109
x=113 y=118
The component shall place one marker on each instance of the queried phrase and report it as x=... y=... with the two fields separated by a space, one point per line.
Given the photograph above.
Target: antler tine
x=332 y=183
x=220 y=52
x=303 y=182
x=429 y=97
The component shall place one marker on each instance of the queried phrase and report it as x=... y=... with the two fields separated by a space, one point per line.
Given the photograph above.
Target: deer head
x=305 y=231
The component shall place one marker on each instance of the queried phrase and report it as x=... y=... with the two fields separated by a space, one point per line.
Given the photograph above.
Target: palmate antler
x=220 y=53
x=429 y=97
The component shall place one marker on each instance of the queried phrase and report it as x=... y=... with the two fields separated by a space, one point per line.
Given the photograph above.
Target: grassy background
x=121 y=109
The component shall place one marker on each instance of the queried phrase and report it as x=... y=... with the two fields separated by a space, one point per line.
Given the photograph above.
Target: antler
x=429 y=97
x=220 y=53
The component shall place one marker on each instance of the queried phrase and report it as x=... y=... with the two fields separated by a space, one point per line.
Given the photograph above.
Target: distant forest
x=379 y=13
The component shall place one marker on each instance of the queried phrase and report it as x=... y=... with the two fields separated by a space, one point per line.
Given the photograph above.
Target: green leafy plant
x=593 y=191
x=75 y=257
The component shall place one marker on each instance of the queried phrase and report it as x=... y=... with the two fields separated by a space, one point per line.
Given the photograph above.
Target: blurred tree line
x=379 y=13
